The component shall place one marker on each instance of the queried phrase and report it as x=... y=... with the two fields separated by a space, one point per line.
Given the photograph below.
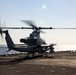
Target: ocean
x=3 y=49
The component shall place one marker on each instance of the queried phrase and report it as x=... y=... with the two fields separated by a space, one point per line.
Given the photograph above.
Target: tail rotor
x=1 y=31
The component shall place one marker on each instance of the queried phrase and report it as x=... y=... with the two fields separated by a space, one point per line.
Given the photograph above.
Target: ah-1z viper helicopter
x=34 y=41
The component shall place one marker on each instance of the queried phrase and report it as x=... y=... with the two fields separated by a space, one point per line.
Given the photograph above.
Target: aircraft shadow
x=18 y=60
x=25 y=58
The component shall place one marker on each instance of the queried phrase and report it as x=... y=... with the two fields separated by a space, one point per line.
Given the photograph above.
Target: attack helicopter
x=34 y=42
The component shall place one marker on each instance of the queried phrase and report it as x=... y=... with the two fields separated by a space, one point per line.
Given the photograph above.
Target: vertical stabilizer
x=9 y=41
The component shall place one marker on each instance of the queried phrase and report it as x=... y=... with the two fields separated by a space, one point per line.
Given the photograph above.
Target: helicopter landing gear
x=45 y=54
x=28 y=55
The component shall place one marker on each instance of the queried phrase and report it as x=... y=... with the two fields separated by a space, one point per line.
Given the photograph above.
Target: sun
x=43 y=6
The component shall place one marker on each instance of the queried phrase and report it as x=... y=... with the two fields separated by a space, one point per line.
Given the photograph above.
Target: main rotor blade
x=25 y=28
x=30 y=23
x=31 y=28
x=64 y=28
x=16 y=28
x=54 y=28
x=45 y=28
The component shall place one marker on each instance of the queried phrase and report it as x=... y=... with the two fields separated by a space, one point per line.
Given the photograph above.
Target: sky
x=45 y=13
